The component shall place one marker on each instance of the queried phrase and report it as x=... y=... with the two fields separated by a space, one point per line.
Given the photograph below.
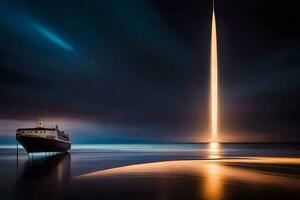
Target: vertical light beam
x=214 y=80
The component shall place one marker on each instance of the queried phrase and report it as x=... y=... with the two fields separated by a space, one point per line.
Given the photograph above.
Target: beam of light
x=51 y=36
x=214 y=80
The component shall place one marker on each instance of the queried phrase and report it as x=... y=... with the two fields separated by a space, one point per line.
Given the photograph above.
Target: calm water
x=52 y=176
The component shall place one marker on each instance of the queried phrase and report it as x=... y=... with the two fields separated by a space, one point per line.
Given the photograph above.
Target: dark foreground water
x=154 y=171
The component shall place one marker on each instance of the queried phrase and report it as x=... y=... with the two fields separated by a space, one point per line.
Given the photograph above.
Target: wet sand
x=238 y=178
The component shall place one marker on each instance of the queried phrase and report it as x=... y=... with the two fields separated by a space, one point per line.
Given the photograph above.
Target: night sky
x=138 y=71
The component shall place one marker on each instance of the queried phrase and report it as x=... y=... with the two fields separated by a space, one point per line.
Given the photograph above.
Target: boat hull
x=36 y=144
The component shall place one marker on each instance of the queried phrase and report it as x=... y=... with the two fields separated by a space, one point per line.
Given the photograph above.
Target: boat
x=42 y=139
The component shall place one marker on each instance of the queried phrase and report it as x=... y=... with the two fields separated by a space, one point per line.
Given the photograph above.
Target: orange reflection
x=213 y=183
x=60 y=172
x=214 y=150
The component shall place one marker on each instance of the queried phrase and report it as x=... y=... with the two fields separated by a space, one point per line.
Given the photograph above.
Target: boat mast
x=39 y=124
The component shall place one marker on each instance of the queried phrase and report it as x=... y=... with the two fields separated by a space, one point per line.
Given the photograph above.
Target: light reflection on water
x=214 y=150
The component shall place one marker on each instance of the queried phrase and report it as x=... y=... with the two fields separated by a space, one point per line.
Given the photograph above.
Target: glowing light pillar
x=214 y=80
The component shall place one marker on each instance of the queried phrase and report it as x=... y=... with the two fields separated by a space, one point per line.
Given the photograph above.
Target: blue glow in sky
x=52 y=37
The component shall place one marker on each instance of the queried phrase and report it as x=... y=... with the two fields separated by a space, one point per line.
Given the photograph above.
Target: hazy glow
x=214 y=80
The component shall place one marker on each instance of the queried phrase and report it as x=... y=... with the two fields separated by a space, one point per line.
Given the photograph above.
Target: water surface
x=154 y=171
